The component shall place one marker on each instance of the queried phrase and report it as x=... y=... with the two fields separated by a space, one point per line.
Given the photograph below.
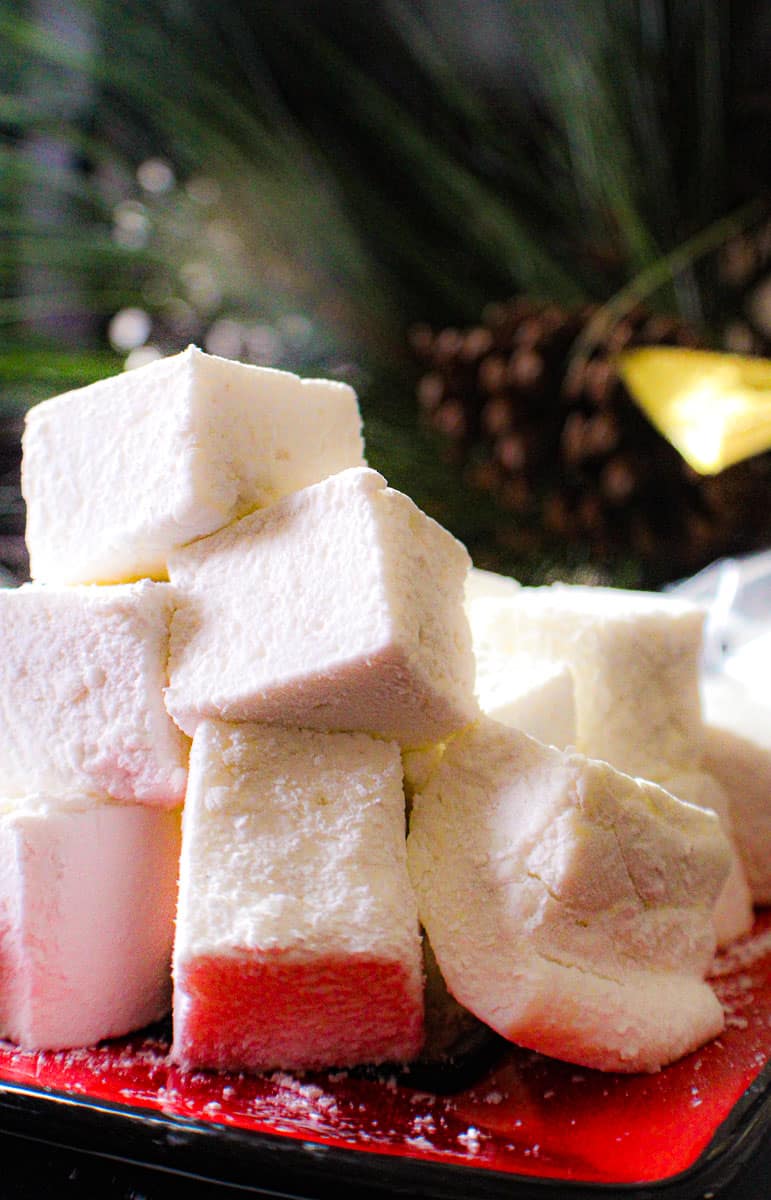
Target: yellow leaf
x=714 y=408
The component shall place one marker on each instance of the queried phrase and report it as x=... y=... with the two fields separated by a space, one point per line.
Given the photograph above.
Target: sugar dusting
x=471 y=1139
x=513 y=1118
x=741 y=954
x=733 y=980
x=301 y=1101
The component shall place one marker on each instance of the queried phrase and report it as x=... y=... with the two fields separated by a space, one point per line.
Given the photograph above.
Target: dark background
x=348 y=189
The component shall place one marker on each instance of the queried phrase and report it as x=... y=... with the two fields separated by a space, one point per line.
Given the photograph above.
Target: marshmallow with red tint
x=297 y=941
x=87 y=899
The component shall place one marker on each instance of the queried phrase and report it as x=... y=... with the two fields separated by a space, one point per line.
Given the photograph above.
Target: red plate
x=514 y=1118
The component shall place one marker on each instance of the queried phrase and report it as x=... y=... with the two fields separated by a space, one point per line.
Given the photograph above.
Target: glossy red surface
x=525 y=1114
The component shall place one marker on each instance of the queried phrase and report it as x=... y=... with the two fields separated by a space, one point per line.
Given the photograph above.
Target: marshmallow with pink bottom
x=297 y=941
x=568 y=905
x=87 y=898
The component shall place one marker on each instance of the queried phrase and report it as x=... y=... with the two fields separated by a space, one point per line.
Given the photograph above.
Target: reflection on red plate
x=526 y=1114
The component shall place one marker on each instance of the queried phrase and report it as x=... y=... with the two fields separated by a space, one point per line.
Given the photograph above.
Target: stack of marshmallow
x=313 y=643
x=617 y=674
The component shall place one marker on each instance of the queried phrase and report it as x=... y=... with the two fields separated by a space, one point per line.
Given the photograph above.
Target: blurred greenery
x=295 y=184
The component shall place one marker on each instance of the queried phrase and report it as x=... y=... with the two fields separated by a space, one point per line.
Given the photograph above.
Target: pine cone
x=570 y=458
x=744 y=271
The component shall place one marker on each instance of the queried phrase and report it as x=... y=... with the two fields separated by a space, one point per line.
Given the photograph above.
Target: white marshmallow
x=297 y=934
x=118 y=473
x=738 y=753
x=531 y=694
x=568 y=905
x=733 y=915
x=483 y=585
x=339 y=607
x=83 y=672
x=419 y=765
x=524 y=692
x=635 y=660
x=87 y=896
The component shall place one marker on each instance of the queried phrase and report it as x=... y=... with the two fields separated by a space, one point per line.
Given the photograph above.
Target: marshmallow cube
x=733 y=915
x=485 y=585
x=297 y=941
x=84 y=671
x=635 y=658
x=87 y=897
x=738 y=753
x=531 y=694
x=568 y=905
x=118 y=473
x=338 y=608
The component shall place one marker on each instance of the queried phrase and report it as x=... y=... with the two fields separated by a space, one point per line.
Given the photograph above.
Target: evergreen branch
x=16 y=309
x=45 y=364
x=660 y=273
x=501 y=234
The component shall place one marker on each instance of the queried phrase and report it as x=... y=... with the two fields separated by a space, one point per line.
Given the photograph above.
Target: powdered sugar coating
x=297 y=937
x=738 y=753
x=338 y=608
x=568 y=905
x=118 y=473
x=635 y=658
x=83 y=671
x=87 y=897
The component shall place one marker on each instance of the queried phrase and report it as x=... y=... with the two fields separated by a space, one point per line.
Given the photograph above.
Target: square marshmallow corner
x=84 y=670
x=338 y=608
x=531 y=694
x=297 y=941
x=116 y=474
x=635 y=658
